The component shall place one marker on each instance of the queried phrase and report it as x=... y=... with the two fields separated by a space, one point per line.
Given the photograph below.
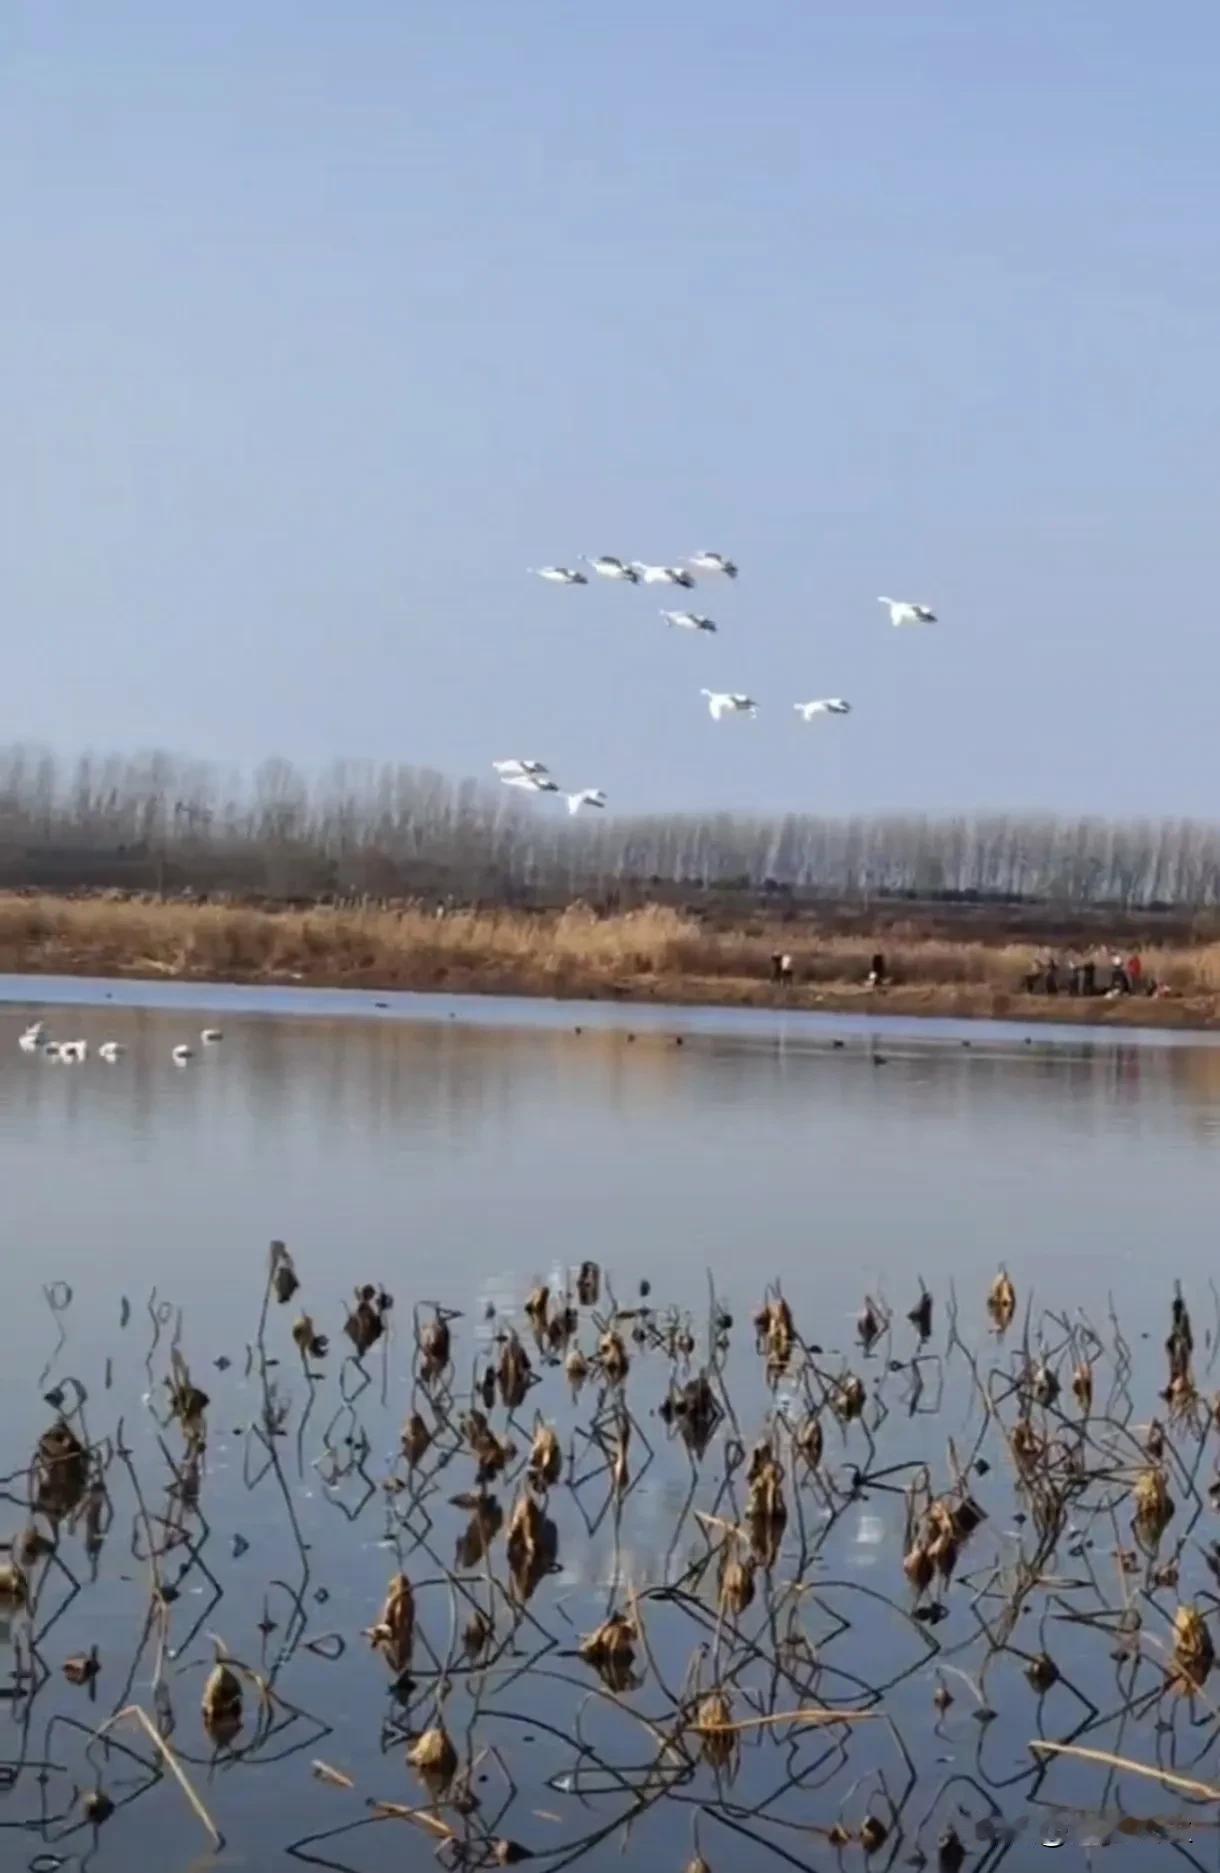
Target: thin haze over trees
x=158 y=820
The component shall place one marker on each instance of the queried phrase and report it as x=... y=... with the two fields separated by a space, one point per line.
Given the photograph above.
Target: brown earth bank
x=654 y=953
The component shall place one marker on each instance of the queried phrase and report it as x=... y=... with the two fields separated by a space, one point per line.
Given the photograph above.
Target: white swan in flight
x=515 y=767
x=588 y=796
x=32 y=1039
x=688 y=621
x=75 y=1051
x=825 y=705
x=110 y=1051
x=903 y=611
x=531 y=783
x=181 y=1054
x=714 y=562
x=663 y=575
x=722 y=702
x=608 y=567
x=211 y=1037
x=558 y=575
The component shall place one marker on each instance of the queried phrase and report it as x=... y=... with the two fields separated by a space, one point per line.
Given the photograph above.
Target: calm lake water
x=457 y=1154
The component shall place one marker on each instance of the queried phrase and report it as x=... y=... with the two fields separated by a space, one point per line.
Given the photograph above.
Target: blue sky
x=322 y=323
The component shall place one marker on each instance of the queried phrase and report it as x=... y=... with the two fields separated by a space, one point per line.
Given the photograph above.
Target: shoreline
x=653 y=955
x=913 y=1002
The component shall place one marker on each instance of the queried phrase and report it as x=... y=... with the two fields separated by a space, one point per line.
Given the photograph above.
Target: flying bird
x=663 y=575
x=902 y=611
x=825 y=705
x=531 y=783
x=588 y=796
x=505 y=768
x=558 y=575
x=721 y=702
x=110 y=1051
x=608 y=567
x=181 y=1054
x=688 y=621
x=211 y=1037
x=714 y=562
x=76 y=1051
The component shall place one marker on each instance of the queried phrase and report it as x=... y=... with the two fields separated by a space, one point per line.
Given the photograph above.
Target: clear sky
x=324 y=319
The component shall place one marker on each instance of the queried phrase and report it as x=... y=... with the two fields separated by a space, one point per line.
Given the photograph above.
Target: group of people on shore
x=1088 y=975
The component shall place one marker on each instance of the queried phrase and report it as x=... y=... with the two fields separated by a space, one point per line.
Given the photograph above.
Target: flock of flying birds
x=535 y=777
x=36 y=1040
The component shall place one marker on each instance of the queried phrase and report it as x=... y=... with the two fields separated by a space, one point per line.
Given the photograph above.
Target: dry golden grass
x=569 y=951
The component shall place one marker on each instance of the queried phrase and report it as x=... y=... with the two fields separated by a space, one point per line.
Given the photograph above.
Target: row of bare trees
x=387 y=829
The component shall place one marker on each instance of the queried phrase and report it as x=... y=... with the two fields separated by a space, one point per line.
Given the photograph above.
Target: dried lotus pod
x=514 y=1373
x=222 y=1703
x=432 y=1754
x=394 y=1634
x=1193 y=1651
x=364 y=1325
x=810 y=1441
x=873 y=1833
x=712 y=1722
x=546 y=1460
x=920 y=1315
x=61 y=1469
x=611 y=1648
x=434 y=1344
x=918 y=1566
x=284 y=1279
x=1154 y=1506
x=14 y=1587
x=612 y=1357
x=477 y=1633
x=83 y=1667
x=416 y=1439
x=737 y=1584
x=1002 y=1300
x=309 y=1344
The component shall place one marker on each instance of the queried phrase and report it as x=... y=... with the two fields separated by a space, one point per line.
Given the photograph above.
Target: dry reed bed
x=415 y=947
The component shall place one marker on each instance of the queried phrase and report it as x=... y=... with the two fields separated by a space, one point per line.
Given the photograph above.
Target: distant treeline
x=158 y=822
